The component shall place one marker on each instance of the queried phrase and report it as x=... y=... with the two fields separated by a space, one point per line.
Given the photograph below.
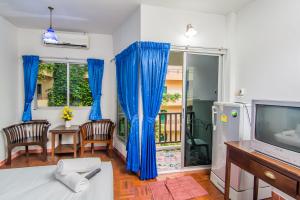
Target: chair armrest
x=7 y=135
x=113 y=126
x=45 y=132
x=83 y=132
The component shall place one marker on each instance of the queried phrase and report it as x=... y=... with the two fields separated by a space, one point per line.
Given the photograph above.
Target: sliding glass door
x=201 y=83
x=183 y=128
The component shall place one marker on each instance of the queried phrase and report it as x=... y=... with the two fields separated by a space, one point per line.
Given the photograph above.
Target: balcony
x=168 y=128
x=168 y=133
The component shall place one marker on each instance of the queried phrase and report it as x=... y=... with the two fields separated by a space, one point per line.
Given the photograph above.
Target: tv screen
x=278 y=126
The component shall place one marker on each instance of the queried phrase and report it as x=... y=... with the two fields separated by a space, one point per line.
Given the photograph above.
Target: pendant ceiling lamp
x=50 y=36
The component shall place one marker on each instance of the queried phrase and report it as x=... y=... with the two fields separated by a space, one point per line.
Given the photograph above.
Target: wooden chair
x=27 y=134
x=96 y=132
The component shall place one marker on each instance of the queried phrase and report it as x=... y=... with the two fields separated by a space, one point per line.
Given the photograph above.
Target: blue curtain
x=95 y=71
x=127 y=84
x=31 y=67
x=154 y=63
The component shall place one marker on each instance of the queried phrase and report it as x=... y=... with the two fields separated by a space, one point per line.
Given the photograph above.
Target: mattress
x=38 y=183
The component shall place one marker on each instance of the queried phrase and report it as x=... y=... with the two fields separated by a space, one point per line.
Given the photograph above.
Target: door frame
x=221 y=53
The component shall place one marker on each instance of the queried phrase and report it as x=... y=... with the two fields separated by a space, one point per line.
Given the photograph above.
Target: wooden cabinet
x=274 y=178
x=280 y=175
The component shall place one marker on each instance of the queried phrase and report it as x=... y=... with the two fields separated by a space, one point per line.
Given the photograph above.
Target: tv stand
x=280 y=175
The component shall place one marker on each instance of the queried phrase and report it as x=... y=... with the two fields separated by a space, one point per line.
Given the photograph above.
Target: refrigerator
x=231 y=122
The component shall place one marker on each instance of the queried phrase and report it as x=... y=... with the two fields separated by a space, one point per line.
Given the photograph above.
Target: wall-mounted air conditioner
x=70 y=40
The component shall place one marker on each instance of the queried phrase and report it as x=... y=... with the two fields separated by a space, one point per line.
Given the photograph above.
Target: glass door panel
x=201 y=90
x=168 y=126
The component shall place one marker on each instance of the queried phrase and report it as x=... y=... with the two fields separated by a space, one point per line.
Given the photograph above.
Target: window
x=123 y=125
x=165 y=91
x=80 y=93
x=39 y=91
x=63 y=84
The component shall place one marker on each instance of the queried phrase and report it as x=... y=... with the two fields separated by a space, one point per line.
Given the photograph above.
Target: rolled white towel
x=74 y=181
x=80 y=165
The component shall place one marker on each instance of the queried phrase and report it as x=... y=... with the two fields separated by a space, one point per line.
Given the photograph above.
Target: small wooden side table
x=64 y=148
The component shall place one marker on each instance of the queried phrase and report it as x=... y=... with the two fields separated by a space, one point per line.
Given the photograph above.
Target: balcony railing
x=168 y=127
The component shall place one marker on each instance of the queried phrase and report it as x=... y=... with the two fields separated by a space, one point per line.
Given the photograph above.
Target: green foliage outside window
x=57 y=95
x=44 y=68
x=168 y=97
x=80 y=94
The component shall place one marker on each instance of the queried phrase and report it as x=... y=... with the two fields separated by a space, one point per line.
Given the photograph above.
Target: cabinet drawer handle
x=270 y=175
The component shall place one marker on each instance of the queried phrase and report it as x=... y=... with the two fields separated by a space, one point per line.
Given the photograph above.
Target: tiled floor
x=168 y=160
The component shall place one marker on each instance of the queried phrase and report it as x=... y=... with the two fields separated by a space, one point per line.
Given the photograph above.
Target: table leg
x=53 y=146
x=92 y=148
x=75 y=145
x=255 y=188
x=59 y=139
x=227 y=177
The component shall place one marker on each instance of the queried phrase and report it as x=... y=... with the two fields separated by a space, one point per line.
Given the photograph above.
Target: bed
x=38 y=183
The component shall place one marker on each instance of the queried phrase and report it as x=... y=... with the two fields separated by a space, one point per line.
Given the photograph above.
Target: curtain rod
x=198 y=47
x=187 y=47
x=63 y=58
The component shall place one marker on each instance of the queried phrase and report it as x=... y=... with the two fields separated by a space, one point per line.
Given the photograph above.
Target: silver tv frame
x=286 y=155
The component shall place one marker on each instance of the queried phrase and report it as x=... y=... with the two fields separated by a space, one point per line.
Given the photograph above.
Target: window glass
x=58 y=80
x=80 y=93
x=165 y=90
x=123 y=125
x=52 y=85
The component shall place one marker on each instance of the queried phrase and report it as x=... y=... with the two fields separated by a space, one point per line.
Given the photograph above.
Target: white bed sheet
x=38 y=183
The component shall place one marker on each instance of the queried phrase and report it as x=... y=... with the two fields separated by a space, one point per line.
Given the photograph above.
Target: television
x=275 y=129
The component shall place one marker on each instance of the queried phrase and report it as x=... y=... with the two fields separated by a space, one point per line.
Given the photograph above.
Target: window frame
x=120 y=115
x=68 y=63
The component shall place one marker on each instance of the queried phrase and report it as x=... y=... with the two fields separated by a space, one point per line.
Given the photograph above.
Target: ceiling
x=210 y=6
x=97 y=16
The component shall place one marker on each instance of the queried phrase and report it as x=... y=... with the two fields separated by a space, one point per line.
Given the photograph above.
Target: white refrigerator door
x=227 y=127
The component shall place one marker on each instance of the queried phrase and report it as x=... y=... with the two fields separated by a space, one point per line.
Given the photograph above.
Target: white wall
x=168 y=25
x=231 y=57
x=128 y=32
x=9 y=79
x=268 y=50
x=101 y=46
x=268 y=61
